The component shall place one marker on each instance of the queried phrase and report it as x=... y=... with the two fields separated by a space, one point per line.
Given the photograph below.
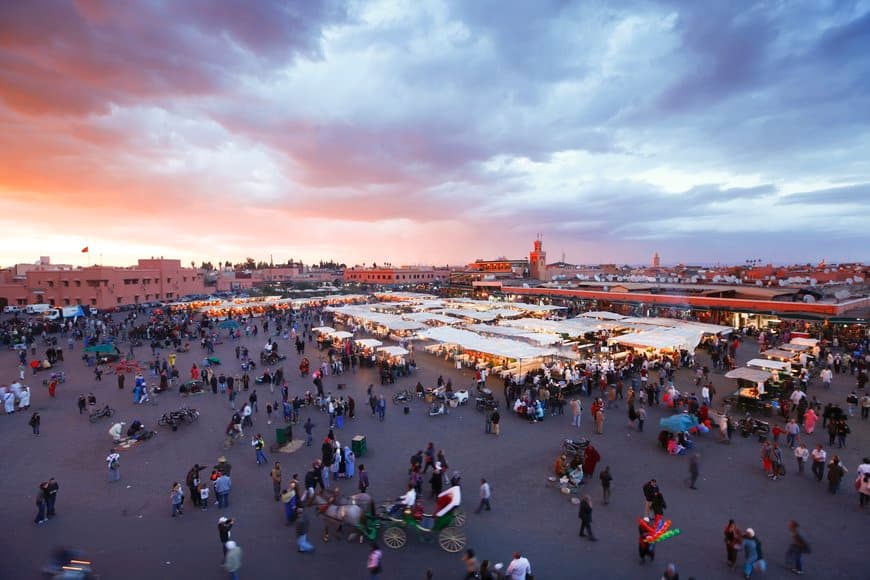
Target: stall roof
x=779 y=353
x=659 y=338
x=570 y=326
x=810 y=342
x=430 y=317
x=388 y=321
x=472 y=314
x=393 y=350
x=768 y=364
x=342 y=334
x=602 y=315
x=539 y=338
x=368 y=342
x=503 y=347
x=747 y=374
x=795 y=348
x=323 y=329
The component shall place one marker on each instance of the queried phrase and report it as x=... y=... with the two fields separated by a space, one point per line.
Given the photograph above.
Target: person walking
x=732 y=543
x=836 y=471
x=496 y=422
x=258 y=443
x=605 y=478
x=302 y=525
x=51 y=488
x=40 y=504
x=599 y=421
x=121 y=379
x=222 y=486
x=35 y=421
x=309 y=428
x=469 y=560
x=233 y=560
x=485 y=496
x=176 y=496
x=753 y=554
x=363 y=479
x=192 y=480
x=82 y=403
x=519 y=568
x=801 y=454
x=373 y=563
x=225 y=526
x=113 y=461
x=275 y=475
x=694 y=470
x=576 y=412
x=797 y=547
x=382 y=410
x=585 y=515
x=819 y=456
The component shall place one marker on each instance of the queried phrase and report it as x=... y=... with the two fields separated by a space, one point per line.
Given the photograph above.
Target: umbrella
x=678 y=423
x=104 y=348
x=232 y=324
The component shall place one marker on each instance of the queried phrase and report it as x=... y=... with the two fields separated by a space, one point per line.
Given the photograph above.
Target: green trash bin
x=358 y=445
x=283 y=435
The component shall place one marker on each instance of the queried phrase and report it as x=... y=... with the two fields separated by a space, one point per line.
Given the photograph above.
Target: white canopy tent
x=430 y=317
x=536 y=337
x=502 y=347
x=810 y=342
x=659 y=339
x=323 y=329
x=763 y=363
x=602 y=315
x=368 y=342
x=342 y=334
x=795 y=348
x=747 y=374
x=393 y=350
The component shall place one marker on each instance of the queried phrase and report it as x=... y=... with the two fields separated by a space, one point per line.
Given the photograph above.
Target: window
x=66 y=301
x=51 y=301
x=51 y=283
x=94 y=301
x=79 y=301
x=118 y=300
x=66 y=283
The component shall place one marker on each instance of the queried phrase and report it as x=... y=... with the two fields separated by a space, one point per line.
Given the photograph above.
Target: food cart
x=778 y=369
x=755 y=391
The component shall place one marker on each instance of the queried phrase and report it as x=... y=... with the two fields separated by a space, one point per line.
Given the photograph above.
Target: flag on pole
x=85 y=250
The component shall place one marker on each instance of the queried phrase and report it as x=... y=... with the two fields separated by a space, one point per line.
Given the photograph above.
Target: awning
x=393 y=350
x=342 y=334
x=747 y=374
x=323 y=329
x=368 y=342
x=776 y=353
x=762 y=363
x=810 y=342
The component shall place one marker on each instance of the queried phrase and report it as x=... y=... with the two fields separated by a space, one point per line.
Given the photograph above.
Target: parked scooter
x=106 y=411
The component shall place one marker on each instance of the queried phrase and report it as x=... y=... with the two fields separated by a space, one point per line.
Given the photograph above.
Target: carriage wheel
x=451 y=539
x=395 y=537
x=459 y=518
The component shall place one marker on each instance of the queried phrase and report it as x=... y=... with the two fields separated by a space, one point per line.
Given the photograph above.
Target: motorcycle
x=68 y=564
x=402 y=397
x=485 y=403
x=95 y=416
x=174 y=418
x=438 y=409
x=750 y=426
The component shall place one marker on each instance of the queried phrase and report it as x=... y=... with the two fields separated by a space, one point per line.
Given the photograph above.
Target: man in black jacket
x=585 y=516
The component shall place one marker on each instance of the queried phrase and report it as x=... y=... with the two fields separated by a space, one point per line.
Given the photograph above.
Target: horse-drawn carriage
x=446 y=523
x=393 y=523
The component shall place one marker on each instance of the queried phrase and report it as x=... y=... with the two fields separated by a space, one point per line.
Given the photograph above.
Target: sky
x=435 y=131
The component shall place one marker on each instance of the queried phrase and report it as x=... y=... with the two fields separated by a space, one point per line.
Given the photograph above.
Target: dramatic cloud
x=435 y=132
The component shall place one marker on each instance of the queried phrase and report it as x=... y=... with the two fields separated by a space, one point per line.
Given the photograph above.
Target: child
x=203 y=495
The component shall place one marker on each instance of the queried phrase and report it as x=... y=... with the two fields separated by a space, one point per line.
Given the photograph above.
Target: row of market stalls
x=259 y=306
x=761 y=382
x=514 y=338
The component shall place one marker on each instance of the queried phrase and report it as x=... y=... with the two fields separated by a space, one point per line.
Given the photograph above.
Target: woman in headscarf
x=349 y=458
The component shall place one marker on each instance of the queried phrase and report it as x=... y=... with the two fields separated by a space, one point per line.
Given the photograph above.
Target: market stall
x=755 y=390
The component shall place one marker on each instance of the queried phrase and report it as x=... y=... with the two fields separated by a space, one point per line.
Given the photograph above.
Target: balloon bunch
x=658 y=530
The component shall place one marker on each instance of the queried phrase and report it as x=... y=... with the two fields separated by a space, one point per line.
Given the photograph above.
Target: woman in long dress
x=9 y=402
x=810 y=419
x=349 y=459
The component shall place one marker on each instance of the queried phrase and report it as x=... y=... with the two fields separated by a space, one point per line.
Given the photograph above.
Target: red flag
x=84 y=250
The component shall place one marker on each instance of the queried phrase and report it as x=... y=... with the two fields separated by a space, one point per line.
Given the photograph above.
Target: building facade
x=393 y=276
x=104 y=287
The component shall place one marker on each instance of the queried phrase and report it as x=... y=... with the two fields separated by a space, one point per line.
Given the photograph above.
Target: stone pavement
x=126 y=530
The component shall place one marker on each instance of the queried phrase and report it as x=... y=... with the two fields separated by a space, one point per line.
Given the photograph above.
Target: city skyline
x=435 y=133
